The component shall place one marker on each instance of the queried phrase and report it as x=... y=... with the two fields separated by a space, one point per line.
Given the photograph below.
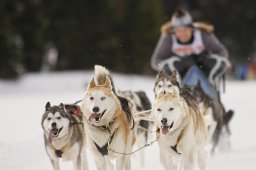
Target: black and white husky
x=64 y=135
x=218 y=117
x=139 y=101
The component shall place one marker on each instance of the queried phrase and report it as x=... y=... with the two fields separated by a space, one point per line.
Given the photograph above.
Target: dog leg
x=55 y=164
x=120 y=163
x=165 y=159
x=100 y=163
x=224 y=144
x=110 y=166
x=142 y=159
x=188 y=160
x=201 y=155
x=77 y=163
x=84 y=161
x=128 y=163
x=180 y=165
x=141 y=140
x=169 y=164
x=211 y=128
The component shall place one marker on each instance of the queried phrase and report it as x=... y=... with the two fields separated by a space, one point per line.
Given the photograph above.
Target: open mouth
x=54 y=133
x=166 y=129
x=96 y=117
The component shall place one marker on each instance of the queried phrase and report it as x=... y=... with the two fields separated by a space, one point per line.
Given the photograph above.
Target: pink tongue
x=93 y=116
x=165 y=129
x=50 y=136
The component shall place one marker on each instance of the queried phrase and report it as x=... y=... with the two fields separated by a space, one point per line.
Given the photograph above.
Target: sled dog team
x=112 y=123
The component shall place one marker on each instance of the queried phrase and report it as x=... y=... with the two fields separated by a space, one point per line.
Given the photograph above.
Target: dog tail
x=226 y=118
x=100 y=75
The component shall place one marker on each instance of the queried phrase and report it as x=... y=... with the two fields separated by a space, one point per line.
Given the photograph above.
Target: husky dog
x=138 y=101
x=182 y=132
x=218 y=125
x=166 y=83
x=108 y=122
x=213 y=110
x=64 y=135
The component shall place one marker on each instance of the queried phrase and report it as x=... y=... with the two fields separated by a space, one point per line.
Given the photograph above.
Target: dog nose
x=96 y=109
x=54 y=124
x=164 y=92
x=164 y=121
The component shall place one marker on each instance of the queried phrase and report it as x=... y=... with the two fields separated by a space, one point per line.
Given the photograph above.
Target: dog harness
x=125 y=107
x=58 y=153
x=104 y=149
x=174 y=148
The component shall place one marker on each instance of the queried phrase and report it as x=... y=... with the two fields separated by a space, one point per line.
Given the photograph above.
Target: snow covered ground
x=22 y=105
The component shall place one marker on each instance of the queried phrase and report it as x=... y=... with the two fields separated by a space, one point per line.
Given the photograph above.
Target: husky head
x=100 y=103
x=169 y=112
x=56 y=120
x=166 y=84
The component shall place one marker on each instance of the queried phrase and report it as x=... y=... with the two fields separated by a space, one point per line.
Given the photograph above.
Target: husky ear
x=160 y=74
x=91 y=84
x=108 y=83
x=47 y=106
x=72 y=109
x=174 y=74
x=176 y=77
x=62 y=106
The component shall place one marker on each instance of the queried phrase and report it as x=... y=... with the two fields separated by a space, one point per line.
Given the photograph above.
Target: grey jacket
x=164 y=46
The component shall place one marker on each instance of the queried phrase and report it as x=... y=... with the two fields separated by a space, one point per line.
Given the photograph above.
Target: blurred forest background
x=120 y=34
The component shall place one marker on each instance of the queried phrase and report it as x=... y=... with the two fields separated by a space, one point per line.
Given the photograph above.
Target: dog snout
x=164 y=92
x=54 y=125
x=164 y=121
x=96 y=109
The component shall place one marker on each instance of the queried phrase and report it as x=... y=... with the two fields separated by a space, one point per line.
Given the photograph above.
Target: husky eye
x=159 y=86
x=171 y=109
x=159 y=110
x=49 y=118
x=91 y=98
x=58 y=117
x=169 y=85
x=103 y=98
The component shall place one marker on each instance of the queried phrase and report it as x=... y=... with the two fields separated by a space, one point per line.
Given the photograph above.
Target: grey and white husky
x=64 y=135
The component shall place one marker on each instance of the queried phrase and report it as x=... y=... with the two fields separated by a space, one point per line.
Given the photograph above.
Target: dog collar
x=76 y=123
x=59 y=152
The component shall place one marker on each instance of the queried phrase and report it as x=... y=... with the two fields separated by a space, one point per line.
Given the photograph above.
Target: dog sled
x=211 y=85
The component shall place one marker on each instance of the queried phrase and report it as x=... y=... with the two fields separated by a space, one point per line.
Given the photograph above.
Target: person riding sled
x=193 y=50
